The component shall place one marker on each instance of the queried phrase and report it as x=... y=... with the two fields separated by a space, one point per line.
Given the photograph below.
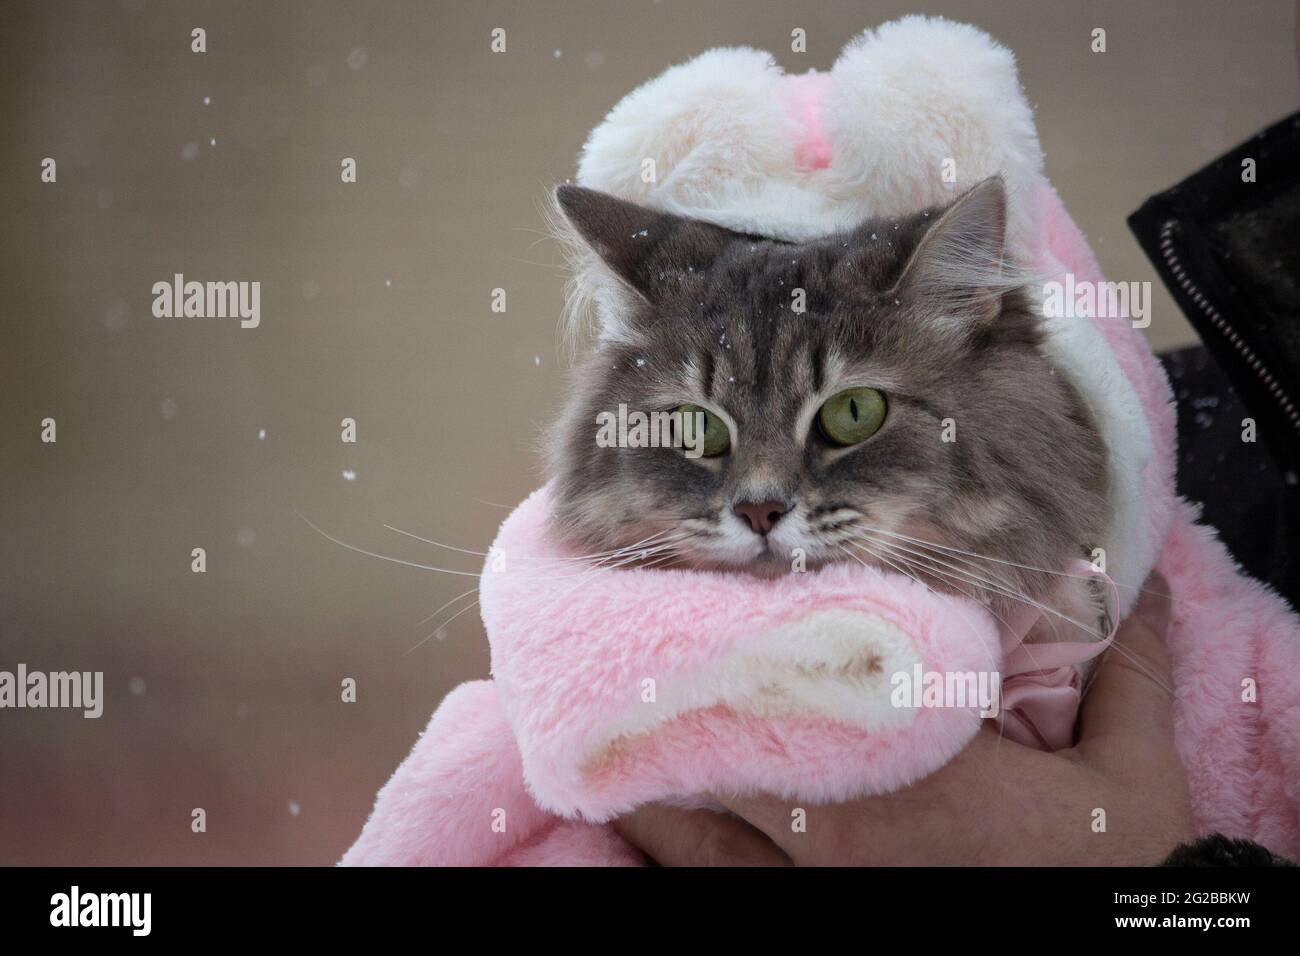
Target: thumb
x=1131 y=696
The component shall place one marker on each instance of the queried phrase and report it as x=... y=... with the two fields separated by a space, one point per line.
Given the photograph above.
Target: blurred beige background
x=223 y=689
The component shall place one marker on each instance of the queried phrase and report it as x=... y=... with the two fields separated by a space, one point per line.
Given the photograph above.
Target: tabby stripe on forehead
x=708 y=374
x=818 y=362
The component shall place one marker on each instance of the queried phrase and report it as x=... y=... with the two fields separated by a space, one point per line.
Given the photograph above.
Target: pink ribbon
x=1040 y=682
x=804 y=94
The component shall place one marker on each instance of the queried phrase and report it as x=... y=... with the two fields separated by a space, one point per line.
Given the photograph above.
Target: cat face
x=878 y=396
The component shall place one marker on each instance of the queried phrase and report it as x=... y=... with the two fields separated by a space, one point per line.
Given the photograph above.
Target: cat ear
x=635 y=242
x=620 y=232
x=958 y=268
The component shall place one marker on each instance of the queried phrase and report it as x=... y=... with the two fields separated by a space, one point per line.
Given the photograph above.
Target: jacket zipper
x=1219 y=322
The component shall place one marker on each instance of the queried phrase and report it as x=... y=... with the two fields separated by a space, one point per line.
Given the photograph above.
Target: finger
x=672 y=836
x=773 y=817
x=1131 y=694
x=877 y=828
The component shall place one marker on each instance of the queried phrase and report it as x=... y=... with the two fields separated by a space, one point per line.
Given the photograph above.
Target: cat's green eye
x=852 y=416
x=717 y=439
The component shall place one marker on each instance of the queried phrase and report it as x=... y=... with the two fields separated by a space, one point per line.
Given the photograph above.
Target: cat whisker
x=382 y=557
x=972 y=554
x=494 y=504
x=436 y=544
x=999 y=586
x=426 y=620
x=883 y=560
x=440 y=570
x=581 y=557
x=445 y=624
x=665 y=551
x=640 y=550
x=991 y=579
x=1137 y=663
x=663 y=537
x=617 y=560
x=657 y=557
x=1025 y=567
x=1001 y=726
x=967 y=593
x=978 y=581
x=954 y=581
x=906 y=573
x=1118 y=649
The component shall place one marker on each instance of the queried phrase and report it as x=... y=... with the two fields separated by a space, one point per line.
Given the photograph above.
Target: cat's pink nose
x=761 y=515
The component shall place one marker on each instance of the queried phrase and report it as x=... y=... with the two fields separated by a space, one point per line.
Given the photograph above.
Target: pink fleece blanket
x=610 y=689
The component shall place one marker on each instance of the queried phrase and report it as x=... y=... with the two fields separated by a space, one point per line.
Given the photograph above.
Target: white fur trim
x=916 y=92
x=838 y=664
x=1077 y=348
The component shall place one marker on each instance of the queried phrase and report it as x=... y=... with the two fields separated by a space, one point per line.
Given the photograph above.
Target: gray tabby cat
x=906 y=417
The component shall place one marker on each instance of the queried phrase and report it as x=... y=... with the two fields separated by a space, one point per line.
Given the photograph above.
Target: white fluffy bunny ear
x=912 y=115
x=922 y=109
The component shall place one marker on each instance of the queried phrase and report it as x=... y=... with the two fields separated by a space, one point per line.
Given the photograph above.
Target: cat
x=879 y=395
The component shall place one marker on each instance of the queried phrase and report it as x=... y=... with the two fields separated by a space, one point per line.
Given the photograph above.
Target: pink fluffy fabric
x=526 y=769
